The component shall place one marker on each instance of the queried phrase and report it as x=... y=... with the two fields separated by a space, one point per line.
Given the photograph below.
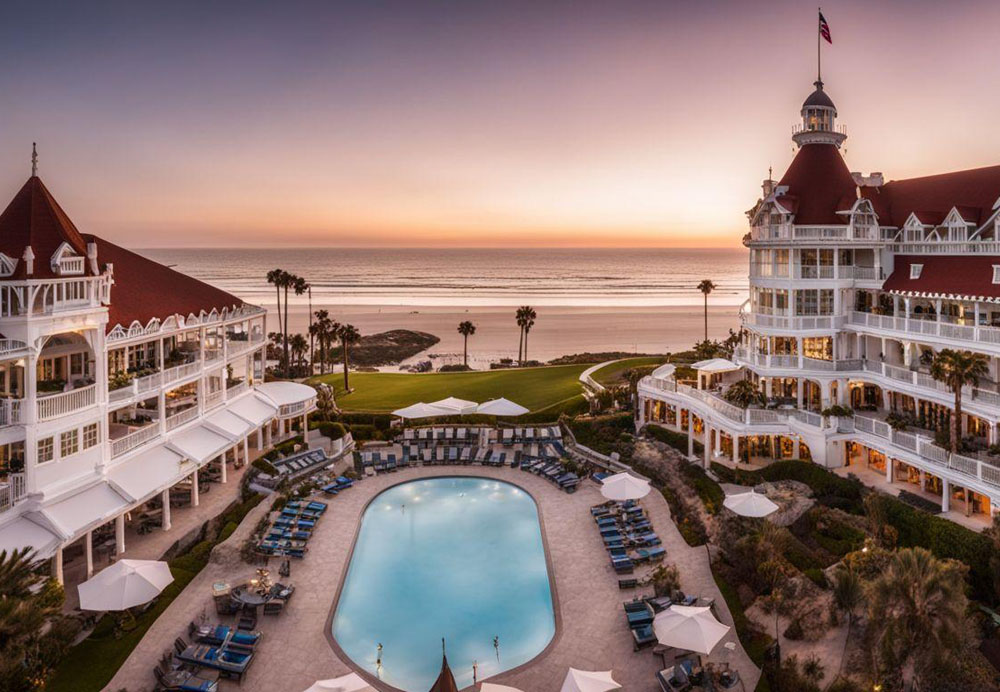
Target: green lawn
x=612 y=373
x=533 y=388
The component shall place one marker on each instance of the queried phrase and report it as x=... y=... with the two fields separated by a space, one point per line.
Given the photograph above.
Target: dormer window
x=7 y=265
x=915 y=270
x=66 y=261
x=996 y=273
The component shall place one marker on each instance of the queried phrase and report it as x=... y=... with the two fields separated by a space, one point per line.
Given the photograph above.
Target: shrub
x=837 y=411
x=264 y=464
x=333 y=431
x=454 y=367
x=710 y=492
x=817 y=577
x=227 y=531
x=677 y=440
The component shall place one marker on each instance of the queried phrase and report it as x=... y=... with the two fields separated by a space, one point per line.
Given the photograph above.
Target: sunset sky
x=470 y=123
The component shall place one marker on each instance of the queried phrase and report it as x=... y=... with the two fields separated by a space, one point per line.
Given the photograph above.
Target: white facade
x=96 y=419
x=829 y=323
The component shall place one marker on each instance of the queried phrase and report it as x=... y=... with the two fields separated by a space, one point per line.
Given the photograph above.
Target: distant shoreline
x=558 y=331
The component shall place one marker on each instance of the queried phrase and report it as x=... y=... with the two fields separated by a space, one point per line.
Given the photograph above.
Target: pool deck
x=295 y=650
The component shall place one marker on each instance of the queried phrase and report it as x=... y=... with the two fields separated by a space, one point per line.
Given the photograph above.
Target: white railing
x=213 y=399
x=10 y=347
x=292 y=409
x=868 y=274
x=913 y=325
x=179 y=372
x=148 y=382
x=179 y=419
x=11 y=490
x=10 y=411
x=237 y=389
x=807 y=417
x=56 y=405
x=798 y=322
x=134 y=439
x=973 y=247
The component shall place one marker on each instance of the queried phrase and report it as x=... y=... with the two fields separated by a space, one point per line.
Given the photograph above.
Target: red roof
x=819 y=180
x=974 y=192
x=34 y=218
x=145 y=289
x=945 y=275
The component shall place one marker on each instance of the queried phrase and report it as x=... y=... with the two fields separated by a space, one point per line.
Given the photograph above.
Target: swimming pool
x=460 y=558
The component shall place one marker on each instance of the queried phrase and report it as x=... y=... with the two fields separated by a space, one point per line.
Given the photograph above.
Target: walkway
x=591 y=631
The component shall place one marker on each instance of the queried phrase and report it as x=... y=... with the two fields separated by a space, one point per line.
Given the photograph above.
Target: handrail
x=134 y=439
x=56 y=405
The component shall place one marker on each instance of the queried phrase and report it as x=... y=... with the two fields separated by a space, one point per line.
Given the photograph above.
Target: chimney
x=29 y=261
x=767 y=187
x=92 y=258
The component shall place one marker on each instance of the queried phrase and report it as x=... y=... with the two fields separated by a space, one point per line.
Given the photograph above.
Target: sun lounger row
x=555 y=472
x=297 y=463
x=340 y=484
x=449 y=434
x=627 y=535
x=290 y=532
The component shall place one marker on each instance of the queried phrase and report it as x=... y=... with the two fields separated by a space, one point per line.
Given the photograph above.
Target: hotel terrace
x=855 y=284
x=121 y=380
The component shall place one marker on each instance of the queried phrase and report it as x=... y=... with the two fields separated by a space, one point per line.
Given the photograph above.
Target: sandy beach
x=558 y=330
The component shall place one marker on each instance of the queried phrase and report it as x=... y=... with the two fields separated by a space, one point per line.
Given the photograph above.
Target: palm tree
x=916 y=612
x=521 y=319
x=322 y=327
x=957 y=369
x=299 y=347
x=706 y=286
x=279 y=277
x=848 y=595
x=348 y=334
x=466 y=329
x=744 y=394
x=529 y=322
x=299 y=286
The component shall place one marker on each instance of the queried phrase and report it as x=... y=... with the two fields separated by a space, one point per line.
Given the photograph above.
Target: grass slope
x=533 y=388
x=614 y=372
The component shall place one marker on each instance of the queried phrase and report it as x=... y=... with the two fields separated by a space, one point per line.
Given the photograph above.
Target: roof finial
x=770 y=173
x=34 y=159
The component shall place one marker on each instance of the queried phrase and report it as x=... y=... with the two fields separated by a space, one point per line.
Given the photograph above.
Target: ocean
x=461 y=278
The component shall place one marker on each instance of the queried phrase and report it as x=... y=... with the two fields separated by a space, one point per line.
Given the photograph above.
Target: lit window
x=69 y=443
x=996 y=273
x=46 y=450
x=91 y=435
x=915 y=270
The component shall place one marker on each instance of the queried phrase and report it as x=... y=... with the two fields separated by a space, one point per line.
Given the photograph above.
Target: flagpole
x=819 y=62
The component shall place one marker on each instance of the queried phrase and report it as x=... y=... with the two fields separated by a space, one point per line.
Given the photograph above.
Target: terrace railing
x=134 y=439
x=56 y=405
x=179 y=419
x=11 y=490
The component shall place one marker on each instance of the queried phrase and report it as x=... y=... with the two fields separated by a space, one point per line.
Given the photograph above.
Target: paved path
x=591 y=631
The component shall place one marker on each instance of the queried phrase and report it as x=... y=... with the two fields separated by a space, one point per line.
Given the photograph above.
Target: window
x=46 y=450
x=69 y=443
x=996 y=273
x=91 y=435
x=915 y=270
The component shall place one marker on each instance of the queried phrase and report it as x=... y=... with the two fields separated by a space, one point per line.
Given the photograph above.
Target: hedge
x=333 y=431
x=830 y=489
x=711 y=493
x=677 y=440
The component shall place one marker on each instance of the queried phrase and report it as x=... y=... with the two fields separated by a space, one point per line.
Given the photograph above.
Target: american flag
x=824 y=29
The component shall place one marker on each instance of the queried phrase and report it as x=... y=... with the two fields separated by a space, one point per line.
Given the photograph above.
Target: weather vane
x=34 y=160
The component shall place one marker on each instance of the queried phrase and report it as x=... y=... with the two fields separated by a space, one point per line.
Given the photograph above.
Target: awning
x=24 y=533
x=455 y=406
x=199 y=444
x=715 y=365
x=229 y=425
x=253 y=409
x=420 y=410
x=95 y=505
x=286 y=393
x=148 y=472
x=501 y=407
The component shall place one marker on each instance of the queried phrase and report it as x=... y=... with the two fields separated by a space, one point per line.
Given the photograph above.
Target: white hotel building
x=120 y=379
x=854 y=284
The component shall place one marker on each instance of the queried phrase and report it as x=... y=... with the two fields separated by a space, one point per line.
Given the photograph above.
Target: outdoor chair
x=274 y=607
x=183 y=680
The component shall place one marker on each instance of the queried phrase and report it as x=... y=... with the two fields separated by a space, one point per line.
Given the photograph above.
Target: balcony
x=179 y=419
x=56 y=405
x=914 y=326
x=10 y=411
x=11 y=490
x=789 y=322
x=134 y=439
x=180 y=372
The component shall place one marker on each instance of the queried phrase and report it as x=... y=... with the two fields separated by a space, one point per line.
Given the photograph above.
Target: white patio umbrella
x=624 y=486
x=750 y=504
x=689 y=627
x=491 y=687
x=456 y=407
x=589 y=681
x=501 y=407
x=352 y=682
x=124 y=584
x=421 y=410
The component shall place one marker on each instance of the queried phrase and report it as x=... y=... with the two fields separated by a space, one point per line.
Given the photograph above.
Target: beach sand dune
x=558 y=330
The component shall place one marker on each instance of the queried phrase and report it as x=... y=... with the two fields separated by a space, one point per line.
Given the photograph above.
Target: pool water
x=459 y=558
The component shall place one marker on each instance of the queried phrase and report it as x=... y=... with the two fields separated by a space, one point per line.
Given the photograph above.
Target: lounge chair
x=217 y=635
x=184 y=681
x=624 y=566
x=643 y=636
x=228 y=663
x=673 y=679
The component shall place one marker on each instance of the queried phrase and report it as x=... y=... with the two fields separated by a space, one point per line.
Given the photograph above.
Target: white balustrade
x=11 y=490
x=179 y=372
x=179 y=419
x=134 y=439
x=56 y=405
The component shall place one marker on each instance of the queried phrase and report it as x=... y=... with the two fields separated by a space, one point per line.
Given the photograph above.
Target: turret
x=819 y=117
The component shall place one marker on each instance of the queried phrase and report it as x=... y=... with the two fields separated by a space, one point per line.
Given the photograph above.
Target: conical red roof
x=34 y=218
x=820 y=184
x=445 y=681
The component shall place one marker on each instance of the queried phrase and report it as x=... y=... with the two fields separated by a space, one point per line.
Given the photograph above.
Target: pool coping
x=550 y=568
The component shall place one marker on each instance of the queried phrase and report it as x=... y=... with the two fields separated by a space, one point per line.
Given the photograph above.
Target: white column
x=305 y=428
x=798 y=392
x=708 y=445
x=736 y=449
x=165 y=497
x=690 y=432
x=194 y=488
x=888 y=470
x=246 y=450
x=88 y=550
x=945 y=495
x=57 y=565
x=222 y=465
x=119 y=535
x=260 y=437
